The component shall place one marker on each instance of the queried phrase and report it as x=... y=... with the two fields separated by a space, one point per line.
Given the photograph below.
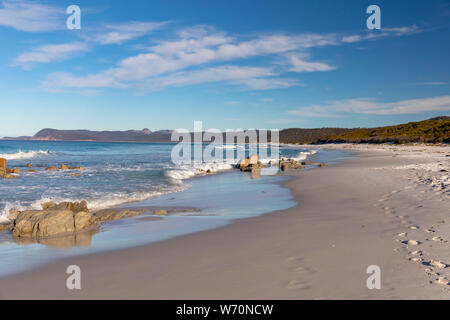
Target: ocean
x=133 y=175
x=114 y=173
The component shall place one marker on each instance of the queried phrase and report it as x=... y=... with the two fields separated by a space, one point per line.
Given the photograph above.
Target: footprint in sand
x=411 y=242
x=442 y=281
x=437 y=264
x=417 y=253
x=297 y=285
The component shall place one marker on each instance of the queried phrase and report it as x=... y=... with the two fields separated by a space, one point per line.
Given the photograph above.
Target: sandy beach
x=388 y=207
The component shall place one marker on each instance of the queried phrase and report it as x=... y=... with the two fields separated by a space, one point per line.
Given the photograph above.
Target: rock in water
x=52 y=168
x=72 y=206
x=50 y=223
x=2 y=164
x=254 y=159
x=64 y=167
x=84 y=220
x=160 y=212
x=114 y=214
x=29 y=165
x=243 y=163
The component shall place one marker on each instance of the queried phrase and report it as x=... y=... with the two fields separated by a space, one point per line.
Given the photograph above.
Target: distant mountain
x=433 y=130
x=144 y=135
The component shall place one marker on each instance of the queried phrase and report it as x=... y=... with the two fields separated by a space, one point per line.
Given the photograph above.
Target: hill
x=435 y=130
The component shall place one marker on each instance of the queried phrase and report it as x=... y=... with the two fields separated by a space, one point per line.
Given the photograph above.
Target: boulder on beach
x=243 y=163
x=249 y=164
x=51 y=223
x=71 y=206
x=254 y=159
x=285 y=165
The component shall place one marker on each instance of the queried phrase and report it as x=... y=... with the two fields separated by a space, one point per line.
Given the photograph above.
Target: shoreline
x=317 y=249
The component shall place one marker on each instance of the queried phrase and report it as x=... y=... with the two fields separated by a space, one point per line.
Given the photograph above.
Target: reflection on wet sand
x=83 y=239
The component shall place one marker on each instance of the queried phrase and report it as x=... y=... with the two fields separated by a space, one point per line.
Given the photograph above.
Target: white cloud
x=30 y=16
x=432 y=83
x=49 y=53
x=232 y=103
x=299 y=64
x=281 y=121
x=370 y=106
x=124 y=32
x=202 y=51
x=383 y=33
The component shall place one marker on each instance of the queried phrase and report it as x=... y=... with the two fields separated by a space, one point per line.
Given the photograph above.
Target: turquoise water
x=115 y=173
x=132 y=175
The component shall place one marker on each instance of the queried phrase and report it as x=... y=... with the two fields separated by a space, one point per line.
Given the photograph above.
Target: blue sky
x=231 y=64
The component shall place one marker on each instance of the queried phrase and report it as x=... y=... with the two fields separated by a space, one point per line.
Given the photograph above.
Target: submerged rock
x=285 y=165
x=117 y=214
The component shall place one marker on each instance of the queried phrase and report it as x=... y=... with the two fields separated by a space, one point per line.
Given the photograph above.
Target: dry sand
x=389 y=208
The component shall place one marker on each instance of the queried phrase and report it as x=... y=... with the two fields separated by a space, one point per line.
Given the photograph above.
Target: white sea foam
x=303 y=155
x=94 y=204
x=25 y=155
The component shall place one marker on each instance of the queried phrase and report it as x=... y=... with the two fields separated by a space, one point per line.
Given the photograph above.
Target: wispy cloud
x=430 y=83
x=281 y=121
x=383 y=33
x=117 y=34
x=298 y=63
x=203 y=51
x=31 y=16
x=370 y=106
x=49 y=53
x=232 y=103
